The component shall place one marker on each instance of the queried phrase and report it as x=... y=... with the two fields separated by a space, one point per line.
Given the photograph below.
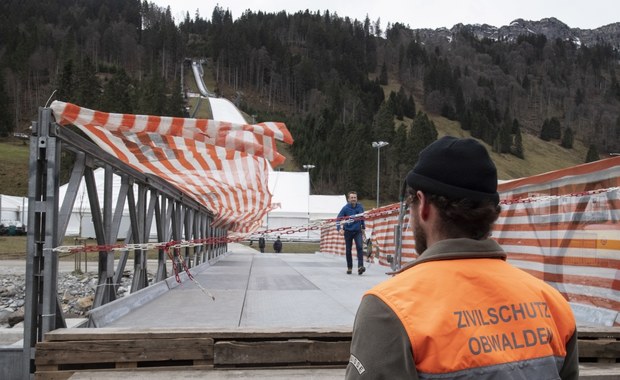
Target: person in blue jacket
x=353 y=230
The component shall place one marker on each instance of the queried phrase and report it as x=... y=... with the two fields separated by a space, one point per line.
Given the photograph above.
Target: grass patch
x=287 y=247
x=540 y=156
x=14 y=155
x=14 y=248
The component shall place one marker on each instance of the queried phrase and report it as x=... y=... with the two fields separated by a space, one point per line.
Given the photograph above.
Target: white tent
x=295 y=207
x=326 y=206
x=13 y=210
x=290 y=192
x=81 y=222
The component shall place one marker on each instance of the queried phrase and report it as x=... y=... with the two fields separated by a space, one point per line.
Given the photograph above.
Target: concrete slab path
x=262 y=290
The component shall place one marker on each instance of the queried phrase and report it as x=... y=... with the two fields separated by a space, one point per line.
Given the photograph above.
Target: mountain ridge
x=551 y=27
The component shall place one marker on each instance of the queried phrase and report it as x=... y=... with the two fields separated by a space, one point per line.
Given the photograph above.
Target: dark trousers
x=349 y=237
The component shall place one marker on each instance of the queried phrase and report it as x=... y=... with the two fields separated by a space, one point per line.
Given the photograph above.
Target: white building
x=296 y=208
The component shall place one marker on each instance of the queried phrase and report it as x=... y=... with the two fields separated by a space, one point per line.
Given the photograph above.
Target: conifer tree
x=567 y=139
x=410 y=107
x=400 y=145
x=87 y=87
x=151 y=96
x=551 y=129
x=592 y=154
x=422 y=133
x=555 y=128
x=544 y=131
x=6 y=120
x=396 y=105
x=518 y=144
x=383 y=123
x=116 y=96
x=383 y=78
x=505 y=135
x=176 y=104
x=66 y=83
x=459 y=103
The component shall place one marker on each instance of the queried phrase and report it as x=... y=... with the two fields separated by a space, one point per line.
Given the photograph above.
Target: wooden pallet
x=66 y=351
x=599 y=344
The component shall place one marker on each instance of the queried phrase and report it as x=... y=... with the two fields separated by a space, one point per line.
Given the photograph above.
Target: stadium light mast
x=309 y=167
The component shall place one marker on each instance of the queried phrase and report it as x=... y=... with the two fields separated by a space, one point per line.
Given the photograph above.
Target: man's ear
x=424 y=207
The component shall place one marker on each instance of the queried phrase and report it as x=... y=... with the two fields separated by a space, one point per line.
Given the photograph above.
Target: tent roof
x=10 y=202
x=290 y=190
x=326 y=206
x=82 y=202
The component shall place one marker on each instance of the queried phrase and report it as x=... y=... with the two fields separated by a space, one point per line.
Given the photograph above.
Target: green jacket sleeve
x=380 y=348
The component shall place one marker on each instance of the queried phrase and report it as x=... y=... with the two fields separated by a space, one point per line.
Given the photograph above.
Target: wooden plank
x=228 y=353
x=115 y=374
x=239 y=333
x=599 y=348
x=599 y=371
x=236 y=373
x=237 y=347
x=598 y=332
x=54 y=375
x=70 y=334
x=50 y=367
x=116 y=351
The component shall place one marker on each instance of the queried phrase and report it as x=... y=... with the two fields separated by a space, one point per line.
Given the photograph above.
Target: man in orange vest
x=460 y=310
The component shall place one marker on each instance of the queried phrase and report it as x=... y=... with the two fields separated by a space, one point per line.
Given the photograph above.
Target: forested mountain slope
x=540 y=94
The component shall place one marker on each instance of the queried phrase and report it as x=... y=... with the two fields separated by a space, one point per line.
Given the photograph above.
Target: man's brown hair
x=461 y=217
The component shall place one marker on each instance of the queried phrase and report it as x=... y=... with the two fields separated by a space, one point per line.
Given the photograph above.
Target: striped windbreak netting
x=222 y=165
x=562 y=227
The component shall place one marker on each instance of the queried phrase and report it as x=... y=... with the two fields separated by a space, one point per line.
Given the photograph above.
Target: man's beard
x=420 y=237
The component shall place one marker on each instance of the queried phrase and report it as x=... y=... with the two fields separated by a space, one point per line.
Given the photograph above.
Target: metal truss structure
x=177 y=217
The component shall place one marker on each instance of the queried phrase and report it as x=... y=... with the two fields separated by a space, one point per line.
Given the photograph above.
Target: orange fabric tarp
x=562 y=227
x=222 y=165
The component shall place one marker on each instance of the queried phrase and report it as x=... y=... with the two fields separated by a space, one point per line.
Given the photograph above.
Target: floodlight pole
x=378 y=145
x=309 y=167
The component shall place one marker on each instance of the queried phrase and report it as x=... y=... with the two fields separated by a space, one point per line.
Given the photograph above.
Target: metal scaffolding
x=177 y=217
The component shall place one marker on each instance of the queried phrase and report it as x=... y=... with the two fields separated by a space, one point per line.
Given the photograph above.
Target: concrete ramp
x=276 y=316
x=260 y=290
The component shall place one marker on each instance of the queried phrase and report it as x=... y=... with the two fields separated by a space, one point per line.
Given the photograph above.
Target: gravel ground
x=75 y=291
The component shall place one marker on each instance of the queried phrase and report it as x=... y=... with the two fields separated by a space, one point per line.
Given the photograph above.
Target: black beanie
x=455 y=168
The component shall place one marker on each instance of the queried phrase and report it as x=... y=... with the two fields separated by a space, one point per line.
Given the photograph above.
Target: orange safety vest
x=470 y=313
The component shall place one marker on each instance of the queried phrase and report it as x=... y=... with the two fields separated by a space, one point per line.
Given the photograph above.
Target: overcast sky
x=584 y=14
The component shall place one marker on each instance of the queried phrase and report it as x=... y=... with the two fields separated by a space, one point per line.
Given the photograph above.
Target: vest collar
x=461 y=248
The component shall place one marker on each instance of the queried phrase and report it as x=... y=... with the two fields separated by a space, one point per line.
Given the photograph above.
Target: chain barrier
x=551 y=197
x=177 y=249
x=317 y=225
x=176 y=246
